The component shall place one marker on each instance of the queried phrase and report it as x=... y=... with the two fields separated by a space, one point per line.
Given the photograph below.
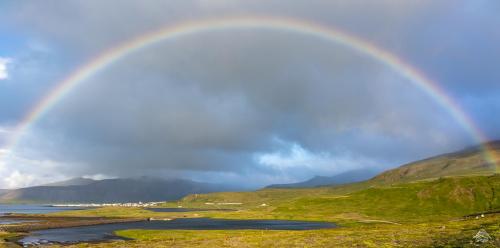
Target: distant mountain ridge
x=351 y=176
x=469 y=161
x=110 y=190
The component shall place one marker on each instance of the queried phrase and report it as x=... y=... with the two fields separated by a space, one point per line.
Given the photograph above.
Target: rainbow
x=101 y=62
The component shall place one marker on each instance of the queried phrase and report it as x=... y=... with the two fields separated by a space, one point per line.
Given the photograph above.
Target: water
x=167 y=210
x=31 y=209
x=11 y=221
x=106 y=231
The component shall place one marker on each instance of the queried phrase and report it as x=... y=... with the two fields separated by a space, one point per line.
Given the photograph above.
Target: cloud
x=296 y=157
x=4 y=74
x=6 y=132
x=211 y=106
x=188 y=114
x=26 y=172
x=291 y=157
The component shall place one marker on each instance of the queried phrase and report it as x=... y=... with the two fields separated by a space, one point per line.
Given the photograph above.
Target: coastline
x=53 y=222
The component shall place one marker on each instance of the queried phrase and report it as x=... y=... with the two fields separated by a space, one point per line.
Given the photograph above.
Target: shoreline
x=53 y=222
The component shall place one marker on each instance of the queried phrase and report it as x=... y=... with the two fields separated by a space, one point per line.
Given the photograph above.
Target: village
x=96 y=205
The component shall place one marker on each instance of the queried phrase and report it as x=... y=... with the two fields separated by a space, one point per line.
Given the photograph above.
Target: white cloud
x=4 y=74
x=5 y=133
x=297 y=158
x=98 y=177
x=3 y=152
x=17 y=172
x=17 y=179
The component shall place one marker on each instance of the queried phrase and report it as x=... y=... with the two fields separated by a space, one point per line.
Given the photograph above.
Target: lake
x=106 y=231
x=32 y=209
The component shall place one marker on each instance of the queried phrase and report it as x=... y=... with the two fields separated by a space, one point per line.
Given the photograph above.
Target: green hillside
x=469 y=161
x=406 y=202
x=439 y=199
x=432 y=213
x=404 y=207
x=444 y=186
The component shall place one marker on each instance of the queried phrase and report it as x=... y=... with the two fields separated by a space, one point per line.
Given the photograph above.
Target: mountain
x=110 y=190
x=351 y=176
x=469 y=161
x=451 y=185
x=72 y=182
x=409 y=201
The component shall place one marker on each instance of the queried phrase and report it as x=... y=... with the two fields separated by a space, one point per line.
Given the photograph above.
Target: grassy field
x=431 y=234
x=6 y=235
x=436 y=202
x=422 y=214
x=428 y=213
x=440 y=199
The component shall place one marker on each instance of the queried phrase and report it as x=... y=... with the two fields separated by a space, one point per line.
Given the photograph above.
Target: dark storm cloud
x=214 y=104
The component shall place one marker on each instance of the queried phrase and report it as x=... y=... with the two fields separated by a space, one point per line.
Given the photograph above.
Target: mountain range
x=82 y=190
x=351 y=176
x=469 y=161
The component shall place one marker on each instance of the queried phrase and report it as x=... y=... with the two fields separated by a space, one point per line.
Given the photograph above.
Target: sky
x=240 y=106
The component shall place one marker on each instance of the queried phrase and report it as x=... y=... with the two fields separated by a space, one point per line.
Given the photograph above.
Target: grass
x=441 y=199
x=438 y=234
x=4 y=236
x=423 y=213
x=404 y=207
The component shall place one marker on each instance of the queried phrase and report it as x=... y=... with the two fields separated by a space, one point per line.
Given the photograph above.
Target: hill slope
x=112 y=190
x=441 y=198
x=469 y=161
x=456 y=183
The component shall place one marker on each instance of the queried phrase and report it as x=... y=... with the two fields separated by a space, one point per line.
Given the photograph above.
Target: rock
x=482 y=237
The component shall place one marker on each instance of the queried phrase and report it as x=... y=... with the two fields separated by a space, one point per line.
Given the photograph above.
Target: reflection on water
x=106 y=231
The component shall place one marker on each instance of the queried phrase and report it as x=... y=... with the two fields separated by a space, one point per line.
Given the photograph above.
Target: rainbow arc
x=175 y=31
